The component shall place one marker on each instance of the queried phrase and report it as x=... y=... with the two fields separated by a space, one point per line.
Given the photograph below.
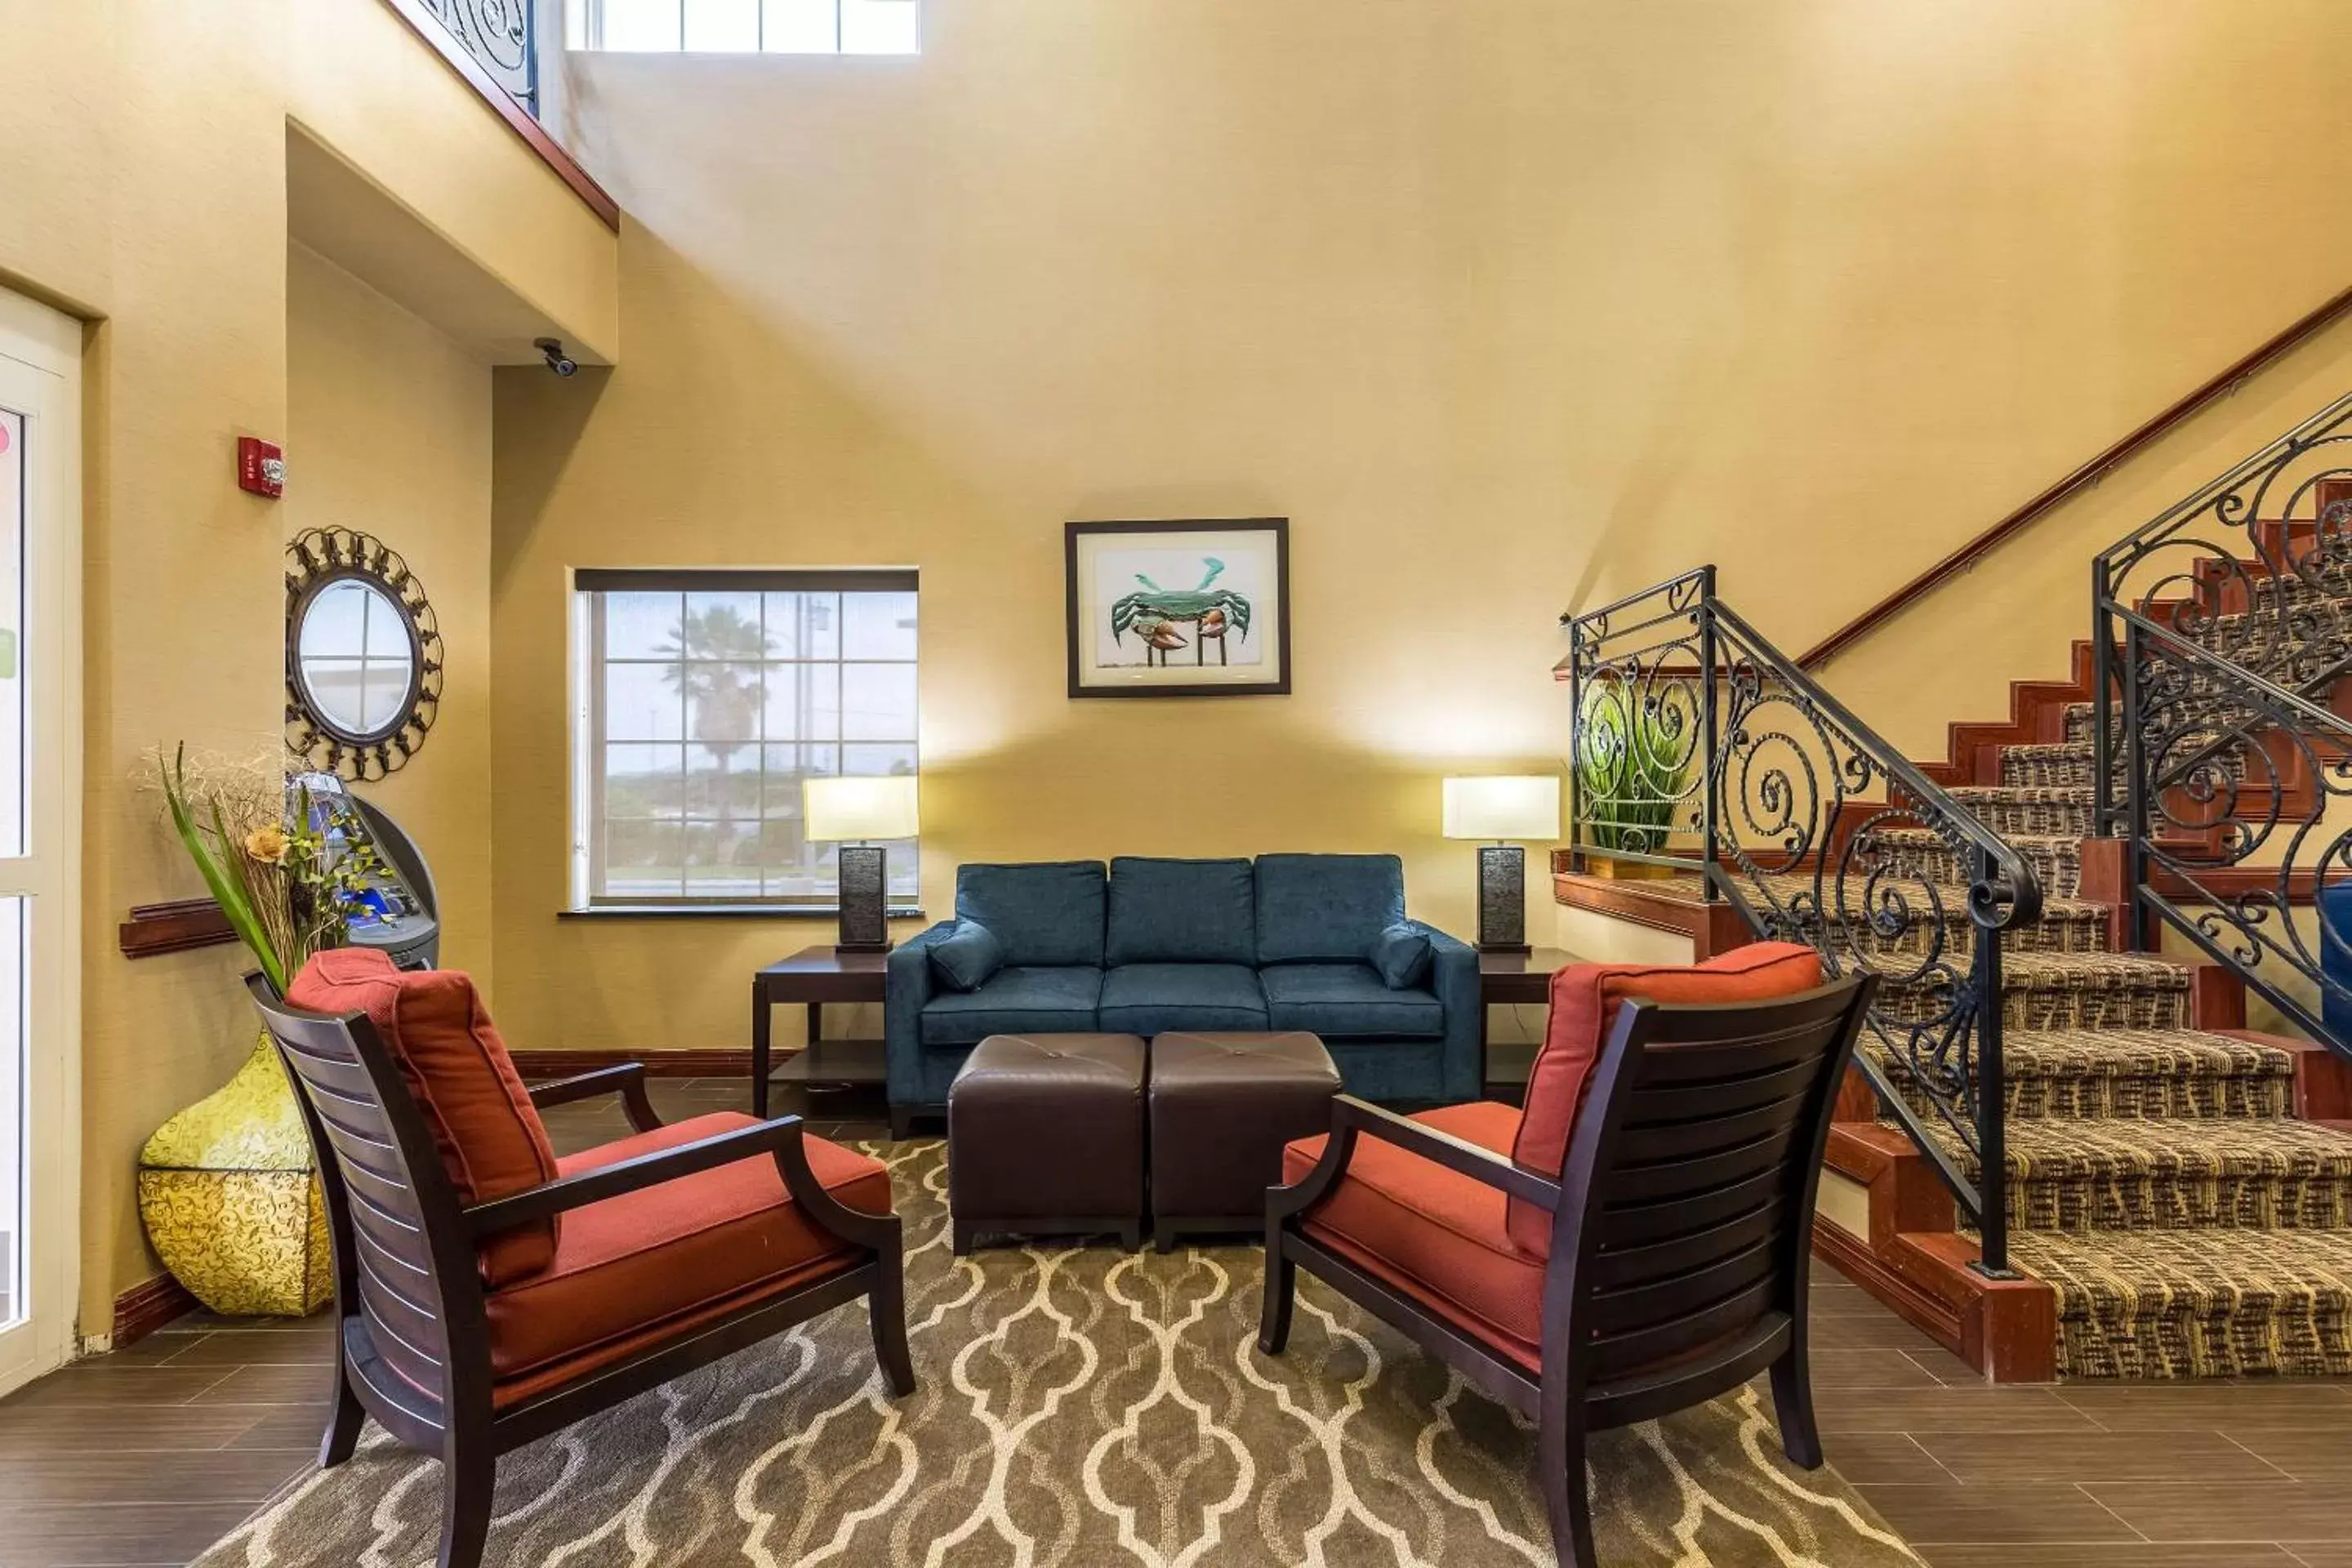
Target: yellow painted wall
x=142 y=185
x=393 y=420
x=1508 y=306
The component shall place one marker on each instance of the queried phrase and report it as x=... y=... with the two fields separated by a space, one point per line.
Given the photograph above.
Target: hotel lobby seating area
x=1389 y=709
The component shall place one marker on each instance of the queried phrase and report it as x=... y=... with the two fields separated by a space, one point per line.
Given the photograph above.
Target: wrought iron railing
x=502 y=37
x=2223 y=627
x=1698 y=747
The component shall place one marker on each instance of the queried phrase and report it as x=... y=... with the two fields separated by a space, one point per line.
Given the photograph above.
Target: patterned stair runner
x=2190 y=1227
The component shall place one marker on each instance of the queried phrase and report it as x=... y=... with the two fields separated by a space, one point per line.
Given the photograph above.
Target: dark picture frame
x=1188 y=619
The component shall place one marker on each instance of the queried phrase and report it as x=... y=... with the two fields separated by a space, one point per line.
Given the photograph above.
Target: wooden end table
x=1505 y=978
x=814 y=976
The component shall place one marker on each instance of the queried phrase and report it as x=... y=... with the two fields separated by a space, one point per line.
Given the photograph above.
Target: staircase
x=2162 y=1182
x=2176 y=1189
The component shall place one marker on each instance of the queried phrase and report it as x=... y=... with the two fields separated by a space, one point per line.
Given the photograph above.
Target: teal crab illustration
x=1154 y=614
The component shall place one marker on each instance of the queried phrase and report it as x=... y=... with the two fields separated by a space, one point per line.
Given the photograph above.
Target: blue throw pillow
x=967 y=956
x=1403 y=956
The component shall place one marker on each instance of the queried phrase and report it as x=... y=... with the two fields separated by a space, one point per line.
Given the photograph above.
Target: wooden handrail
x=427 y=27
x=2080 y=479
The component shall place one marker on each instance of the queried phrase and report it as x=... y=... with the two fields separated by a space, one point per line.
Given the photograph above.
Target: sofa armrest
x=1453 y=975
x=907 y=987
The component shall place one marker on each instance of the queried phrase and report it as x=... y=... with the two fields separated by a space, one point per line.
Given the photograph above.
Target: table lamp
x=850 y=812
x=1496 y=809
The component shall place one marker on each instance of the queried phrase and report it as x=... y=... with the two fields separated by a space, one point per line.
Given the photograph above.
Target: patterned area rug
x=1082 y=1408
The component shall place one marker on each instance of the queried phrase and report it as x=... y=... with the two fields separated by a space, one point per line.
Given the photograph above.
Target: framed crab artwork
x=1196 y=608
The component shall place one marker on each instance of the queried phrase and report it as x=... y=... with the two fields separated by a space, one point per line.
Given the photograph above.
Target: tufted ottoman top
x=1050 y=1066
x=1236 y=1063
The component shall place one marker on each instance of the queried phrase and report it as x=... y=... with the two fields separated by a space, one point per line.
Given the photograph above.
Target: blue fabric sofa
x=1286 y=941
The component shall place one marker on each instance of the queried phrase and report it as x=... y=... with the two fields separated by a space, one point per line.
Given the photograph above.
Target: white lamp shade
x=863 y=808
x=1503 y=808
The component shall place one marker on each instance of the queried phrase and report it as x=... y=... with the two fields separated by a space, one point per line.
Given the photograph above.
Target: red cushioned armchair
x=489 y=1292
x=1634 y=1243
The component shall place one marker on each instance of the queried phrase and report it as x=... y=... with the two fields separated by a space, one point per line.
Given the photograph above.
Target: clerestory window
x=750 y=27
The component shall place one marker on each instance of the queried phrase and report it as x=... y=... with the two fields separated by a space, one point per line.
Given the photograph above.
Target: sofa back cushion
x=464 y=1083
x=1182 y=912
x=1326 y=908
x=1045 y=913
x=1584 y=1002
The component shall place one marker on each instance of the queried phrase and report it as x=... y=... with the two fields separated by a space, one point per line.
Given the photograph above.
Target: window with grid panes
x=703 y=700
x=749 y=27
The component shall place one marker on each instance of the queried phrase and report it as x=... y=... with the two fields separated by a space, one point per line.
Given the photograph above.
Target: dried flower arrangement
x=284 y=886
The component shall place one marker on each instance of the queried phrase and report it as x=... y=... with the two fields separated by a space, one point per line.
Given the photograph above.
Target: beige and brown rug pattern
x=1081 y=1408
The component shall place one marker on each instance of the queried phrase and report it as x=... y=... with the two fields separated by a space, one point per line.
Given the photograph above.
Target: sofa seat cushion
x=1018 y=1000
x=1348 y=1001
x=1182 y=912
x=1149 y=999
x=630 y=1269
x=464 y=1083
x=1435 y=1235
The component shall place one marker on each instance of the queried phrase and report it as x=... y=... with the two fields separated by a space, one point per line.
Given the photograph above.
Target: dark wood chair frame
x=413 y=1346
x=1681 y=1231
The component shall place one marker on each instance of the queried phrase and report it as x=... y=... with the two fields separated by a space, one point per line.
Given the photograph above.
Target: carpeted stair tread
x=2008 y=809
x=2197 y=1303
x=2050 y=990
x=2056 y=857
x=2063 y=1075
x=2123 y=1174
x=2066 y=925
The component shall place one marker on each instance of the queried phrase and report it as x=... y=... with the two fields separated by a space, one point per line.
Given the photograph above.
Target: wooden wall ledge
x=153 y=930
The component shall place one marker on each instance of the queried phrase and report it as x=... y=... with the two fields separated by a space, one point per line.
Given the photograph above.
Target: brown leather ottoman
x=1045 y=1138
x=1222 y=1108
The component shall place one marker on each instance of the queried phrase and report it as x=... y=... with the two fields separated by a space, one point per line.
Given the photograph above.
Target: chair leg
x=885 y=1309
x=1561 y=1476
x=469 y=1479
x=1281 y=1285
x=343 y=1421
x=1792 y=1402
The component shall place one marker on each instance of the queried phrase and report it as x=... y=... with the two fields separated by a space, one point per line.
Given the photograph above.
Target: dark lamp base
x=1502 y=898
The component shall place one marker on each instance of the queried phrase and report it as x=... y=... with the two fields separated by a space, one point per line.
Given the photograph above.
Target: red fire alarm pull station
x=260 y=467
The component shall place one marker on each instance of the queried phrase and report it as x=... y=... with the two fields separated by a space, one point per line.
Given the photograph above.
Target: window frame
x=584 y=31
x=589 y=741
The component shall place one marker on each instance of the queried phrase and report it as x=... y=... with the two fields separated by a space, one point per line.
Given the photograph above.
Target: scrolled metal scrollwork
x=501 y=36
x=2237 y=806
x=1817 y=831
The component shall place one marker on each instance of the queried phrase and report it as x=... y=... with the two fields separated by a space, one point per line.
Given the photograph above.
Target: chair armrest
x=1352 y=1118
x=628 y=1080
x=782 y=1138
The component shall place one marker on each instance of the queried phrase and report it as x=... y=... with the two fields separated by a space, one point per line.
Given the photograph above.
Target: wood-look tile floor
x=148 y=1456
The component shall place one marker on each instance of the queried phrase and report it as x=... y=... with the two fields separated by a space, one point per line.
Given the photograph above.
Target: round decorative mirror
x=362 y=654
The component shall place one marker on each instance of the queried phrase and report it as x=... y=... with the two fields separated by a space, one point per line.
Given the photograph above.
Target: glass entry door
x=40 y=834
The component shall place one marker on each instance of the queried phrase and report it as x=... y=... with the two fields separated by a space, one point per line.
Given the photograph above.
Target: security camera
x=553 y=349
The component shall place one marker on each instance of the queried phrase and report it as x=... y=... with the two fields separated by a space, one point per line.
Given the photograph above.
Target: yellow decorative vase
x=231 y=1200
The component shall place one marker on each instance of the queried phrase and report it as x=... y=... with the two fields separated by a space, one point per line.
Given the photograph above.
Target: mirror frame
x=316 y=561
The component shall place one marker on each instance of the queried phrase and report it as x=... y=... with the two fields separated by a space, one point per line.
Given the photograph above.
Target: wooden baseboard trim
x=148 y=1306
x=658 y=1064
x=1850 y=1256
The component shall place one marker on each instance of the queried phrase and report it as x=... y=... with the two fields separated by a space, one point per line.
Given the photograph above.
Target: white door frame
x=40 y=377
